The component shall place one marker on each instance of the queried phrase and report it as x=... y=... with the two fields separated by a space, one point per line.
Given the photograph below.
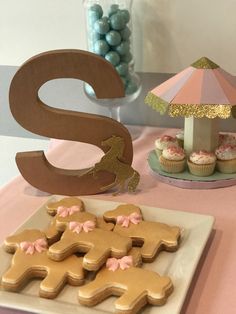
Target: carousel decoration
x=202 y=93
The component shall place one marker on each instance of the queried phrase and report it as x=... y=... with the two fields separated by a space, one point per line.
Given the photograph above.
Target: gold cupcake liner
x=226 y=166
x=172 y=166
x=201 y=170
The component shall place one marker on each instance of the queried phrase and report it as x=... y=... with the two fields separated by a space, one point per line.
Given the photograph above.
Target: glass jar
x=109 y=34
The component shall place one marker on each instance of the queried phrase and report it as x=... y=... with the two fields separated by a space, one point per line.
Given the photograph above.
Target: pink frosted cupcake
x=202 y=163
x=226 y=158
x=173 y=159
x=225 y=138
x=164 y=142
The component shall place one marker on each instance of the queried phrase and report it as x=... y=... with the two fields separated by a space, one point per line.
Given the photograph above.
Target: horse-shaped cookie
x=84 y=236
x=152 y=236
x=31 y=260
x=65 y=210
x=135 y=286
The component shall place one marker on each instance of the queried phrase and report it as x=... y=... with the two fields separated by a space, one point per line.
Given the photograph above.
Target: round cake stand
x=193 y=183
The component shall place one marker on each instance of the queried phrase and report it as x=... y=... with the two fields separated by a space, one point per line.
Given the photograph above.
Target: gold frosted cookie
x=67 y=205
x=151 y=236
x=31 y=260
x=66 y=210
x=102 y=224
x=82 y=235
x=135 y=286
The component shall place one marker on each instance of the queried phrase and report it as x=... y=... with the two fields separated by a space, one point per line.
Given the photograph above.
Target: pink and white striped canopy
x=202 y=84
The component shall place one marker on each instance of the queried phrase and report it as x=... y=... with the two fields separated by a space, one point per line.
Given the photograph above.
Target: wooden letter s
x=39 y=118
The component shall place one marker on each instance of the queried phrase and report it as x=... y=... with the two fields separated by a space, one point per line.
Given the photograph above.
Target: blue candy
x=96 y=8
x=125 y=33
x=123 y=48
x=102 y=26
x=106 y=19
x=113 y=9
x=131 y=87
x=95 y=12
x=127 y=58
x=122 y=68
x=113 y=57
x=93 y=17
x=126 y=15
x=117 y=21
x=101 y=47
x=113 y=38
x=95 y=36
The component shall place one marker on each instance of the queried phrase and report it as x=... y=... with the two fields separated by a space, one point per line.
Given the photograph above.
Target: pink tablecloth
x=213 y=288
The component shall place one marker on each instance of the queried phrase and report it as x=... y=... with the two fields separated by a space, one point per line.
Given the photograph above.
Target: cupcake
x=172 y=159
x=164 y=142
x=225 y=138
x=226 y=158
x=180 y=138
x=202 y=163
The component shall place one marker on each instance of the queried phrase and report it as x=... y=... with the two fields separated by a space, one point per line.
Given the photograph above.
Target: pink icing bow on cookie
x=39 y=245
x=77 y=227
x=63 y=211
x=133 y=218
x=122 y=263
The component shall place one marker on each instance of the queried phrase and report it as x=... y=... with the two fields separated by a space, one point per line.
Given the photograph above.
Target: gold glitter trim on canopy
x=156 y=103
x=204 y=63
x=200 y=111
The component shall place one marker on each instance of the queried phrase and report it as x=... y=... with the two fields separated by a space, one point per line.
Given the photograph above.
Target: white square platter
x=179 y=266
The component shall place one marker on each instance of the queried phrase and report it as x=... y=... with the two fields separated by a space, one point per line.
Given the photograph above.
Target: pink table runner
x=213 y=288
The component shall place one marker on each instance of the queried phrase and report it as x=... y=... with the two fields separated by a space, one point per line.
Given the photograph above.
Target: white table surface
x=9 y=147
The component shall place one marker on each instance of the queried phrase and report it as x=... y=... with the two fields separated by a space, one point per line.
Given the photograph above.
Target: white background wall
x=168 y=34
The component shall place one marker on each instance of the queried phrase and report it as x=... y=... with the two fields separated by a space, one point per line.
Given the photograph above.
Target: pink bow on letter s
x=63 y=211
x=133 y=218
x=39 y=245
x=77 y=227
x=122 y=263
